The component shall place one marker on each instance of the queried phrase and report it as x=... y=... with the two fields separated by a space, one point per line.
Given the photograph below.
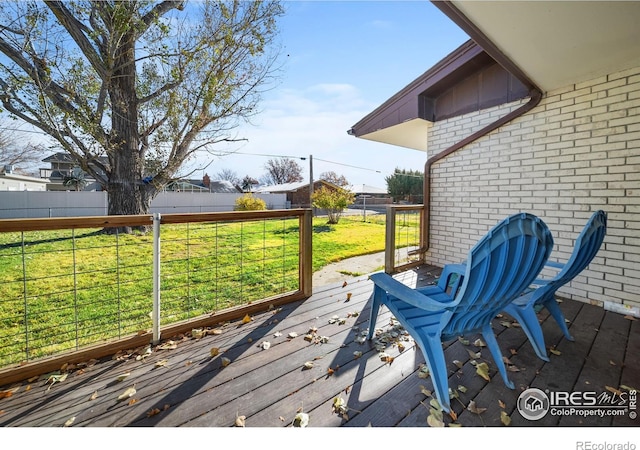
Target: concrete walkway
x=348 y=269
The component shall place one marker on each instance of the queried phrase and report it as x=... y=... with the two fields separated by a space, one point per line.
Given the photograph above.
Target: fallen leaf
x=457 y=363
x=265 y=345
x=308 y=365
x=240 y=420
x=474 y=355
x=128 y=393
x=434 y=421
x=505 y=419
x=198 y=333
x=463 y=341
x=612 y=363
x=425 y=391
x=613 y=390
x=482 y=369
x=357 y=354
x=462 y=389
x=215 y=351
x=513 y=368
x=153 y=412
x=215 y=331
x=69 y=422
x=453 y=415
x=293 y=335
x=630 y=317
x=246 y=319
x=423 y=372
x=8 y=393
x=479 y=343
x=162 y=363
x=225 y=361
x=123 y=376
x=169 y=345
x=94 y=395
x=502 y=404
x=301 y=420
x=132 y=401
x=277 y=334
x=474 y=408
x=513 y=351
x=555 y=352
x=339 y=405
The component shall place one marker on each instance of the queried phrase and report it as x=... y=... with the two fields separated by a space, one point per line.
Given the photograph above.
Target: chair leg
x=556 y=312
x=434 y=355
x=378 y=295
x=492 y=343
x=527 y=318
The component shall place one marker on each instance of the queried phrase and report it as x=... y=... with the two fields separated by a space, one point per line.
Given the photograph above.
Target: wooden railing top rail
x=406 y=207
x=40 y=224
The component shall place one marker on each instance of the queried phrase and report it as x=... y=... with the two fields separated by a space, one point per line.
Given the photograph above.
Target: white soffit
x=410 y=134
x=558 y=43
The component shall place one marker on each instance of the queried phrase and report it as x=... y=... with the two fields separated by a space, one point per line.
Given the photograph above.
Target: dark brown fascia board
x=478 y=36
x=442 y=70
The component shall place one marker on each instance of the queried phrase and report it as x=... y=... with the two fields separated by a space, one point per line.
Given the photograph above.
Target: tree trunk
x=126 y=192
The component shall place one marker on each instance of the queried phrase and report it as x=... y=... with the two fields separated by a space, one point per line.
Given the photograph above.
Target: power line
x=347 y=165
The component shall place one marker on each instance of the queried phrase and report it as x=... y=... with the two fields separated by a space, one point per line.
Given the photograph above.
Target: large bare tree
x=18 y=152
x=282 y=171
x=144 y=83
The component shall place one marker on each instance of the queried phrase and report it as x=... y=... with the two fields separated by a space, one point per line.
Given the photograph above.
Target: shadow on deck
x=180 y=383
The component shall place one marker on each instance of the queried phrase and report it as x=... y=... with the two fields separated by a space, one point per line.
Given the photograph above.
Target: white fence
x=33 y=204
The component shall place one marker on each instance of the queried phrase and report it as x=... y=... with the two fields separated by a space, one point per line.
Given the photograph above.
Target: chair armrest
x=405 y=293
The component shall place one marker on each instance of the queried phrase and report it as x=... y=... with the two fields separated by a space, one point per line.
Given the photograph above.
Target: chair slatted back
x=499 y=268
x=585 y=248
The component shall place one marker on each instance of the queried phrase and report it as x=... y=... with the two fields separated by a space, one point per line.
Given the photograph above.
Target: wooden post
x=306 y=261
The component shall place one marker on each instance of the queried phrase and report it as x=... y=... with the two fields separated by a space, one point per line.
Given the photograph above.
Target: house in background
x=298 y=195
x=538 y=112
x=10 y=181
x=370 y=196
x=62 y=166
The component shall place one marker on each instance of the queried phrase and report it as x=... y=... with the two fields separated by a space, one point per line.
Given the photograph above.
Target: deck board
x=188 y=387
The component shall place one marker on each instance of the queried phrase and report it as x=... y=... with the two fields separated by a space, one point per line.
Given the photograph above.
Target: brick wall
x=576 y=152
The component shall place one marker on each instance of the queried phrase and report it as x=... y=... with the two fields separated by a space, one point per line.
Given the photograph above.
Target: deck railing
x=74 y=288
x=403 y=237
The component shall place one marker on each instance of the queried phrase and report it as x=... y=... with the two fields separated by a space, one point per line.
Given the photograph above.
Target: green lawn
x=82 y=286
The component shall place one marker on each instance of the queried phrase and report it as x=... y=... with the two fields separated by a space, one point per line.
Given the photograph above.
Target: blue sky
x=342 y=59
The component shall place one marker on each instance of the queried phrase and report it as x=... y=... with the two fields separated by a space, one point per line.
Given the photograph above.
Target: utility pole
x=310 y=181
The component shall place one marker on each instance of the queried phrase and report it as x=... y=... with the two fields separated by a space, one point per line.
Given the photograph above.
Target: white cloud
x=314 y=121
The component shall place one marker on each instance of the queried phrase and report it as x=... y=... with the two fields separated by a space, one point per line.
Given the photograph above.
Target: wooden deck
x=188 y=387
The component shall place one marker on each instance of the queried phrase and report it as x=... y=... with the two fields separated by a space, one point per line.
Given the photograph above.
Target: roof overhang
x=544 y=45
x=410 y=134
x=554 y=43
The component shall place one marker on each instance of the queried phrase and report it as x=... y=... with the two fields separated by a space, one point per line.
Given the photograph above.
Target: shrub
x=249 y=203
x=334 y=201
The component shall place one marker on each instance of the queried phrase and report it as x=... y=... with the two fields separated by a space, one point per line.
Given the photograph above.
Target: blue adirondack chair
x=523 y=309
x=498 y=268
